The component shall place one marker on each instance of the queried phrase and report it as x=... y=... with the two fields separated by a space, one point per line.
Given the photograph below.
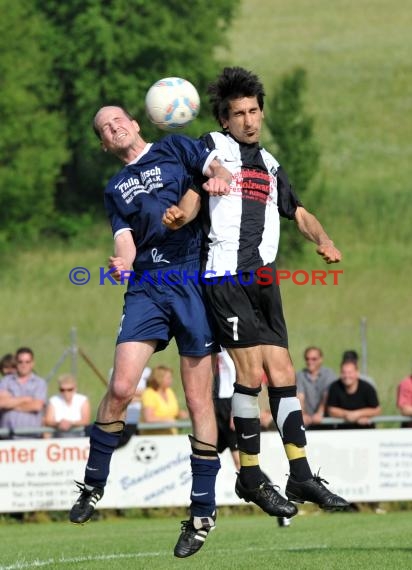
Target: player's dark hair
x=233 y=83
x=125 y=111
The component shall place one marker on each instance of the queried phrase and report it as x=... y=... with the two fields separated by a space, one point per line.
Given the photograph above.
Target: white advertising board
x=362 y=465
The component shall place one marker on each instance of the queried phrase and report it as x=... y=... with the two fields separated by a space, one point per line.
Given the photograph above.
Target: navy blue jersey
x=139 y=194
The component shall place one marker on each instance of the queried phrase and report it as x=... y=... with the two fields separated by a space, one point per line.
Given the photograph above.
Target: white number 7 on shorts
x=235 y=321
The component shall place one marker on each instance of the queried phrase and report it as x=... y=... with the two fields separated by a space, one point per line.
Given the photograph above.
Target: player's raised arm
x=311 y=228
x=177 y=216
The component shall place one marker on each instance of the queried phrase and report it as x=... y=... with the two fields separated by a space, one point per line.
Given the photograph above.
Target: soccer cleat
x=314 y=491
x=83 y=508
x=267 y=498
x=193 y=535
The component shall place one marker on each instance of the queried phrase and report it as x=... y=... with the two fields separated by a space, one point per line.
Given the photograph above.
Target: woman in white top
x=68 y=409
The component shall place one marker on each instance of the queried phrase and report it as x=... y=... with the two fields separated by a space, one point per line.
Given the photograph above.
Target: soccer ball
x=172 y=103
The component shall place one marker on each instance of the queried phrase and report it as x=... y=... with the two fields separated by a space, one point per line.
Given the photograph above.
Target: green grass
x=312 y=542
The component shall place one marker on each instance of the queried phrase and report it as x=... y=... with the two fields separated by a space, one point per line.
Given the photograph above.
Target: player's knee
x=199 y=404
x=282 y=376
x=122 y=391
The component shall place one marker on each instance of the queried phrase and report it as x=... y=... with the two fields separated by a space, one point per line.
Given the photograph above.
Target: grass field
x=332 y=541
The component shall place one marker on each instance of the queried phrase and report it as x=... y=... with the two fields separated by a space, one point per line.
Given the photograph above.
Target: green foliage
x=110 y=53
x=60 y=62
x=297 y=150
x=32 y=140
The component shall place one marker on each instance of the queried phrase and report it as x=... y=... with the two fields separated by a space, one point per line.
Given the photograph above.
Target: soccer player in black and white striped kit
x=242 y=241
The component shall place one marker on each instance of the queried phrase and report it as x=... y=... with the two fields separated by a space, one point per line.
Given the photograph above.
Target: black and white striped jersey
x=242 y=228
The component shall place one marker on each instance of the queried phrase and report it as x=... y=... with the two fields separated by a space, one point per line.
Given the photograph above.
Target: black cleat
x=193 y=535
x=83 y=508
x=267 y=498
x=314 y=491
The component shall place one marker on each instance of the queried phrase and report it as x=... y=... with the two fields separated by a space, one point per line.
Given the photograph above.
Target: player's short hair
x=96 y=130
x=233 y=83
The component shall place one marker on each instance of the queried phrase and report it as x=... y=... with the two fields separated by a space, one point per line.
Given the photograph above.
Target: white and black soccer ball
x=146 y=451
x=172 y=103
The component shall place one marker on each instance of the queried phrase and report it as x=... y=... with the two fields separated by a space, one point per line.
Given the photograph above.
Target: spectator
x=159 y=402
x=312 y=383
x=404 y=399
x=352 y=399
x=7 y=364
x=353 y=356
x=68 y=409
x=23 y=396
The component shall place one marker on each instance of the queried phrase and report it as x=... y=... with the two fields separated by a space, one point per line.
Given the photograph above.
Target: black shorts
x=247 y=315
x=226 y=437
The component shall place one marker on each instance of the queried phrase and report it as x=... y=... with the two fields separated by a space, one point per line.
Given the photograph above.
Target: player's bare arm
x=124 y=254
x=219 y=179
x=177 y=216
x=311 y=228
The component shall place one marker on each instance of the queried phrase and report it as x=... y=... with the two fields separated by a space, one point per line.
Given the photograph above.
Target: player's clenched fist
x=174 y=218
x=119 y=264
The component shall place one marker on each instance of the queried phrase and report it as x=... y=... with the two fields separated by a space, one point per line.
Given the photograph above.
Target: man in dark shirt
x=352 y=399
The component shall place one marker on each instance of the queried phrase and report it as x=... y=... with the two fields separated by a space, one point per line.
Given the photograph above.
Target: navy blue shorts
x=158 y=310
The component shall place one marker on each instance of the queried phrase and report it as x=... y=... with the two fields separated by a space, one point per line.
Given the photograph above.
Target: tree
x=292 y=130
x=32 y=139
x=110 y=53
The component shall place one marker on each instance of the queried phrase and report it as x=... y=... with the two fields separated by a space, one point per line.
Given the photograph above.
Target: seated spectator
x=352 y=399
x=68 y=409
x=353 y=356
x=23 y=396
x=404 y=399
x=312 y=387
x=7 y=364
x=159 y=402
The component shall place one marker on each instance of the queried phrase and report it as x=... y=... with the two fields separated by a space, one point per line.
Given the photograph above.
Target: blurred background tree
x=60 y=62
x=291 y=128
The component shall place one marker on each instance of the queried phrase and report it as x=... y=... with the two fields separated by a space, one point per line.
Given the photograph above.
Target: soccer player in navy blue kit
x=243 y=235
x=155 y=176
